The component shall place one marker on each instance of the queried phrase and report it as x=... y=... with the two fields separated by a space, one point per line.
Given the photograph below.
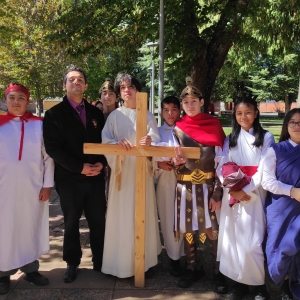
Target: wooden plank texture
x=140 y=194
x=150 y=151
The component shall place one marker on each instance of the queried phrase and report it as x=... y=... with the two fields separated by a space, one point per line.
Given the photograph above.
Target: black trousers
x=76 y=198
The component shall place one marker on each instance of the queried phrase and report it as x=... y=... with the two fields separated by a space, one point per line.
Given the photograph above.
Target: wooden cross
x=141 y=153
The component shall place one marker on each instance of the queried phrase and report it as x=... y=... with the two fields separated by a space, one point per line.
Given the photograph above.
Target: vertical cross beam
x=140 y=193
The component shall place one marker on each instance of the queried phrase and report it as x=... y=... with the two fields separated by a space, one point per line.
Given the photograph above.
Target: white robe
x=118 y=256
x=242 y=227
x=24 y=220
x=165 y=196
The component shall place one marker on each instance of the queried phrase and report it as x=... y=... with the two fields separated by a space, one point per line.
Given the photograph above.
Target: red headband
x=14 y=87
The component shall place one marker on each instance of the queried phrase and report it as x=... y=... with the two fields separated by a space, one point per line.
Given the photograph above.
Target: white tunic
x=165 y=195
x=24 y=220
x=118 y=256
x=242 y=226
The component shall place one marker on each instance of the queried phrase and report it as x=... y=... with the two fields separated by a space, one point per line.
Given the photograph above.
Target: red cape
x=203 y=128
x=7 y=117
x=24 y=118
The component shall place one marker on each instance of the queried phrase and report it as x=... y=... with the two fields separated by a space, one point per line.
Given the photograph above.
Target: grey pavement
x=91 y=285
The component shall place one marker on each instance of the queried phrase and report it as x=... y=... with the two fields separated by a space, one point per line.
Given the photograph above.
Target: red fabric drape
x=203 y=128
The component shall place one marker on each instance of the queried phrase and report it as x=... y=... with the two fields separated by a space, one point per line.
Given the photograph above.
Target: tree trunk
x=39 y=98
x=288 y=102
x=209 y=58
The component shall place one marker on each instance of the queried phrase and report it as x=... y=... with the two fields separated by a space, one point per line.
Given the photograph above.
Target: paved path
x=93 y=285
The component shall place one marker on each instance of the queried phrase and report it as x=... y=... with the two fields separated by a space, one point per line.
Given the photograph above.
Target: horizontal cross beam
x=149 y=151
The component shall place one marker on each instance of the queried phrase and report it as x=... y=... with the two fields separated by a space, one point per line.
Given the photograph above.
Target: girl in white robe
x=242 y=227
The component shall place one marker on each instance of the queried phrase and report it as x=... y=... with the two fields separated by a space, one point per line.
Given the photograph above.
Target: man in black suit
x=79 y=178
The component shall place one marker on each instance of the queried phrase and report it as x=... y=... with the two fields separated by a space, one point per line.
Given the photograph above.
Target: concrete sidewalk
x=93 y=285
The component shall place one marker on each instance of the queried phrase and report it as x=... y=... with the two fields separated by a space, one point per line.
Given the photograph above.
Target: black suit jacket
x=64 y=136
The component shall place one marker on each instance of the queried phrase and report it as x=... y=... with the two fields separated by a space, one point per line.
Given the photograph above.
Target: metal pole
x=161 y=59
x=150 y=98
x=298 y=98
x=152 y=85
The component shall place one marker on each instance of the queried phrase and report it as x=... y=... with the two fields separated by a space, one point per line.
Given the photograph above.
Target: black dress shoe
x=188 y=278
x=97 y=267
x=261 y=292
x=4 y=284
x=220 y=284
x=36 y=278
x=150 y=273
x=70 y=273
x=175 y=268
x=238 y=291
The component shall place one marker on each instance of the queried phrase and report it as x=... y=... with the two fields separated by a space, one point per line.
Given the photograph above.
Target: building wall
x=274 y=106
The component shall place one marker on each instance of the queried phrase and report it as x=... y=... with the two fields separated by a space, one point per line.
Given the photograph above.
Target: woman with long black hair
x=242 y=221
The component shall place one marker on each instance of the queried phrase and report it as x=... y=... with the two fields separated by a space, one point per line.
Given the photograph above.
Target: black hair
x=168 y=100
x=284 y=131
x=74 y=68
x=259 y=132
x=121 y=77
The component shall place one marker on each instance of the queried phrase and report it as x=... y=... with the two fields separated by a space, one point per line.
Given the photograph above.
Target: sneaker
x=286 y=293
x=284 y=296
x=261 y=292
x=188 y=278
x=175 y=268
x=36 y=278
x=220 y=284
x=238 y=291
x=4 y=284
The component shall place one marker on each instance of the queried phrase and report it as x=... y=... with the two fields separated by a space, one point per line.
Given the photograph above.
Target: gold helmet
x=190 y=90
x=107 y=86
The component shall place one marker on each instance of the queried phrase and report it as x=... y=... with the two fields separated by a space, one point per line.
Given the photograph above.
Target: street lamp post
x=152 y=46
x=150 y=98
x=161 y=57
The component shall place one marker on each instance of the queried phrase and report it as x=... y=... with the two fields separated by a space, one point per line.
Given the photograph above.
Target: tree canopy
x=225 y=45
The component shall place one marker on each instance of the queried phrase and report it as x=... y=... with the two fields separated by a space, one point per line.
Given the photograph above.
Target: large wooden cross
x=141 y=153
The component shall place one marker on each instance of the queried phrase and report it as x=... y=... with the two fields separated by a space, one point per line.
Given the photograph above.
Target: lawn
x=275 y=130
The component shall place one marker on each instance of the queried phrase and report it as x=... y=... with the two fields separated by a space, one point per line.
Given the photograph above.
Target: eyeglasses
x=293 y=124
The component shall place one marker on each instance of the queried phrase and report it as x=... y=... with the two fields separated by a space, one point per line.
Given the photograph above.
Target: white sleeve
x=218 y=152
x=257 y=177
x=110 y=136
x=48 y=168
x=269 y=181
x=152 y=129
x=222 y=158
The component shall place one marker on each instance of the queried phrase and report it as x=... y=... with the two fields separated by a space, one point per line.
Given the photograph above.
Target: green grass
x=226 y=120
x=275 y=131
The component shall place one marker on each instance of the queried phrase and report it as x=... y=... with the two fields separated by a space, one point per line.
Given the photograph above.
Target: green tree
x=26 y=54
x=198 y=34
